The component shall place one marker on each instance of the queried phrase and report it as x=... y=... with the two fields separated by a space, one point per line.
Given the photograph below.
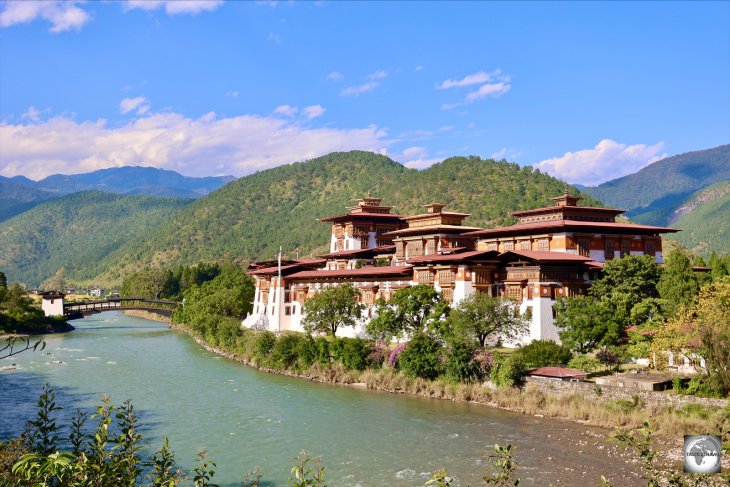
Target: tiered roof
x=366 y=209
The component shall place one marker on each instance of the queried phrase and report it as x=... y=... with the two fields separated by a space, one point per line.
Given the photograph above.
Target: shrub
x=263 y=343
x=394 y=356
x=354 y=353
x=323 y=351
x=285 y=351
x=609 y=359
x=542 y=353
x=585 y=363
x=379 y=353
x=421 y=357
x=461 y=365
x=508 y=372
x=700 y=385
x=307 y=352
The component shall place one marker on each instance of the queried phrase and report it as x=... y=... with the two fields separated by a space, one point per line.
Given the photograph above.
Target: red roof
x=548 y=209
x=474 y=254
x=558 y=372
x=388 y=271
x=362 y=216
x=383 y=249
x=547 y=256
x=286 y=265
x=561 y=225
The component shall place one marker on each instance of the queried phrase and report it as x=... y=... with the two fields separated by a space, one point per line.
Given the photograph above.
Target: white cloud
x=32 y=114
x=313 y=111
x=287 y=110
x=378 y=75
x=63 y=15
x=360 y=89
x=275 y=38
x=422 y=163
x=174 y=7
x=237 y=145
x=494 y=90
x=414 y=152
x=335 y=76
x=494 y=84
x=470 y=79
x=507 y=154
x=607 y=160
x=232 y=94
x=420 y=68
x=139 y=103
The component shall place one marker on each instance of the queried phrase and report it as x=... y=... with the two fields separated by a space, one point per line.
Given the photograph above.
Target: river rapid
x=245 y=418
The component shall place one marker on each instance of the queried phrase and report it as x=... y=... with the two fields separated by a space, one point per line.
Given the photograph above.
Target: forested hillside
x=252 y=216
x=705 y=220
x=654 y=193
x=77 y=233
x=16 y=198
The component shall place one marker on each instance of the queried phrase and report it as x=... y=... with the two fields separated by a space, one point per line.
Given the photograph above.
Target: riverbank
x=669 y=418
x=62 y=327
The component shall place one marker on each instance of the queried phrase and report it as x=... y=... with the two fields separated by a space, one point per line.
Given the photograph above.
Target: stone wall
x=588 y=390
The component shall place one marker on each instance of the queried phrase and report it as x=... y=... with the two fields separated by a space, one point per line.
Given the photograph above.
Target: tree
x=712 y=319
x=480 y=316
x=3 y=281
x=719 y=268
x=586 y=323
x=543 y=353
x=411 y=310
x=678 y=284
x=635 y=276
x=332 y=308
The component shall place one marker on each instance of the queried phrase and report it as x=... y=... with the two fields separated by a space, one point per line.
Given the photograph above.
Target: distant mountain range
x=99 y=237
x=652 y=194
x=129 y=180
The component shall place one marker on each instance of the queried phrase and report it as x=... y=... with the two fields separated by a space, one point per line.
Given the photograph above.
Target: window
x=649 y=248
x=584 y=248
x=287 y=310
x=610 y=249
x=509 y=246
x=492 y=246
x=625 y=248
x=525 y=245
x=543 y=244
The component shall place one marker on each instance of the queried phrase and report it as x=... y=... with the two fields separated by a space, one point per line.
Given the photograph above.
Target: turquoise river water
x=244 y=417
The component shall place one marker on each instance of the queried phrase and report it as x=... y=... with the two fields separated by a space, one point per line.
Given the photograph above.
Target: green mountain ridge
x=252 y=217
x=652 y=194
x=704 y=219
x=77 y=233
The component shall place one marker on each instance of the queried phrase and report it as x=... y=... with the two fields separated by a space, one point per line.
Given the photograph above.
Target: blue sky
x=586 y=91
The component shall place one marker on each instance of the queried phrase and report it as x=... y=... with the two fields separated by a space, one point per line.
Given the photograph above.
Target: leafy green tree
x=332 y=308
x=411 y=310
x=508 y=372
x=460 y=364
x=718 y=266
x=679 y=284
x=712 y=317
x=479 y=317
x=586 y=323
x=3 y=281
x=422 y=357
x=543 y=353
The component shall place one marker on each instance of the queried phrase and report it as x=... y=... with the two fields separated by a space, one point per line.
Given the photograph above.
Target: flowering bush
x=395 y=354
x=379 y=353
x=485 y=361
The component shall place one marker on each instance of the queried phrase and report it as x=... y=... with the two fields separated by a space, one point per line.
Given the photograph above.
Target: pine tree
x=679 y=284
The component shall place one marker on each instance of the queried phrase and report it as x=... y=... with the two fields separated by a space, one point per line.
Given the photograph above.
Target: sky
x=586 y=91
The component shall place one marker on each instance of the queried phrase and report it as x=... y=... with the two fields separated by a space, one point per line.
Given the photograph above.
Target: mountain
x=704 y=219
x=654 y=193
x=16 y=198
x=251 y=217
x=129 y=180
x=77 y=232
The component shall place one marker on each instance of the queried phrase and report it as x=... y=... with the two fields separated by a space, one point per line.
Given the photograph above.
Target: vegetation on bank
x=18 y=314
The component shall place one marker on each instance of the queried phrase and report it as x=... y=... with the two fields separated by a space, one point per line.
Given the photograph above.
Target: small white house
x=52 y=303
x=96 y=291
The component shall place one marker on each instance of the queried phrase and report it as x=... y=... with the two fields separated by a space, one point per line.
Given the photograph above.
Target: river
x=244 y=417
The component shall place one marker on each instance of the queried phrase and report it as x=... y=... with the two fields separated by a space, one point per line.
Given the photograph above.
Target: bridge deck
x=118 y=304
